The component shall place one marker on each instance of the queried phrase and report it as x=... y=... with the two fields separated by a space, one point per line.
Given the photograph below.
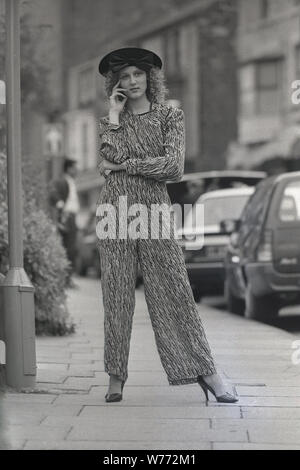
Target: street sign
x=2 y=92
x=53 y=139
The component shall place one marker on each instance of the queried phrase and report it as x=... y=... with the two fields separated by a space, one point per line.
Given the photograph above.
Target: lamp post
x=18 y=292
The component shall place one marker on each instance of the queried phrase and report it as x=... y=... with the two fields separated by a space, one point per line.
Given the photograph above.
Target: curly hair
x=156 y=89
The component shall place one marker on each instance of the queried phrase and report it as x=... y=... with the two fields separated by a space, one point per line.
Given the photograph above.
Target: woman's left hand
x=107 y=165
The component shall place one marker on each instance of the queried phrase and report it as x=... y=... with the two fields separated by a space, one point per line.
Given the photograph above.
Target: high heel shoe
x=113 y=397
x=226 y=398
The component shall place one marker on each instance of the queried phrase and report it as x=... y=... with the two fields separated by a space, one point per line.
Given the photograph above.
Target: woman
x=142 y=146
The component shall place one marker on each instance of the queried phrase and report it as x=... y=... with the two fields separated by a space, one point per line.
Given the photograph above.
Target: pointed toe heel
x=226 y=398
x=115 y=397
x=204 y=390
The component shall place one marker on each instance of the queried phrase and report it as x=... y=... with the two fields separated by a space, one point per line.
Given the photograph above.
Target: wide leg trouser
x=180 y=338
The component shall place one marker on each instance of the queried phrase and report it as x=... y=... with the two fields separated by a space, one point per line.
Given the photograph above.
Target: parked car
x=187 y=190
x=263 y=259
x=205 y=261
x=193 y=185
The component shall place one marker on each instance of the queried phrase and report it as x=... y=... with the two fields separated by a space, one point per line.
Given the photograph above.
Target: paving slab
x=251 y=446
x=283 y=391
x=154 y=430
x=272 y=413
x=184 y=412
x=13 y=409
x=68 y=409
x=28 y=398
x=19 y=433
x=115 y=445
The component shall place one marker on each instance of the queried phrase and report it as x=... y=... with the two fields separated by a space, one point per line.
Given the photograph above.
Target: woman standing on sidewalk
x=143 y=146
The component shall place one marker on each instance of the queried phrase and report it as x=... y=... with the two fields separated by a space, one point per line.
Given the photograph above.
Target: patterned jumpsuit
x=152 y=144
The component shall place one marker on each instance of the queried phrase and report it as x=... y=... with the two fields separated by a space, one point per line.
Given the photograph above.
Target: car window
x=289 y=207
x=256 y=203
x=188 y=191
x=217 y=209
x=254 y=215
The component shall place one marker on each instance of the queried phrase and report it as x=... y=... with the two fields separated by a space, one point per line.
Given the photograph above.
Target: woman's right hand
x=117 y=99
x=106 y=165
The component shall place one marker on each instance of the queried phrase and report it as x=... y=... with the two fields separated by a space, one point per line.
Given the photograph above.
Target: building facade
x=41 y=76
x=268 y=51
x=196 y=41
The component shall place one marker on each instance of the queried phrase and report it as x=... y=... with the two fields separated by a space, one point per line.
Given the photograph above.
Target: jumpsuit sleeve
x=109 y=138
x=171 y=165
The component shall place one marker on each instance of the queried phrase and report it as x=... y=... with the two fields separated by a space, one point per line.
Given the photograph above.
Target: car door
x=284 y=220
x=252 y=221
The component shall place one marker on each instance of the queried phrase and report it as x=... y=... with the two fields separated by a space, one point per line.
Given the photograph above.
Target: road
x=288 y=320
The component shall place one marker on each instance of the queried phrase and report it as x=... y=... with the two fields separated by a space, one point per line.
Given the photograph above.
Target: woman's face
x=134 y=80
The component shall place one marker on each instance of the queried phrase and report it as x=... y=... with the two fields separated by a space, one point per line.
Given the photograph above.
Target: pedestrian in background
x=143 y=146
x=65 y=206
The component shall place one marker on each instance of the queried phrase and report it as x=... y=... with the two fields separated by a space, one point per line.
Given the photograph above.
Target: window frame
x=277 y=88
x=86 y=95
x=264 y=9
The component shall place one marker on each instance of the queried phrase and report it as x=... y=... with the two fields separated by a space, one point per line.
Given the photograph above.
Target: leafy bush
x=45 y=259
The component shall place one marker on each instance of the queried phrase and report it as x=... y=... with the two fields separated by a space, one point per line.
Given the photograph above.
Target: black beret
x=120 y=58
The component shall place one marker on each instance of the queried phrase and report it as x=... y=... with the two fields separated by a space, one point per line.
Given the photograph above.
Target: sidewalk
x=68 y=411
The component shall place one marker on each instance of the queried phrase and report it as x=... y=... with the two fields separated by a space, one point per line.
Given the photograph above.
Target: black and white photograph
x=149 y=228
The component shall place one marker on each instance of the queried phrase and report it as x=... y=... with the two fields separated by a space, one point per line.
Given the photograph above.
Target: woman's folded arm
x=109 y=143
x=171 y=165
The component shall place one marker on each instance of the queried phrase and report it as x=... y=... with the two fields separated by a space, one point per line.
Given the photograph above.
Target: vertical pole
x=18 y=292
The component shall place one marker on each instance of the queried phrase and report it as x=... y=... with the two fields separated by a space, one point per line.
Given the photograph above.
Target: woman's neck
x=140 y=105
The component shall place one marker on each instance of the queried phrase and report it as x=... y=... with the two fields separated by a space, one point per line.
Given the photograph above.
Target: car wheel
x=234 y=304
x=260 y=308
x=197 y=294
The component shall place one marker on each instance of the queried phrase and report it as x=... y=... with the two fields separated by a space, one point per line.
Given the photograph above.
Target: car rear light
x=264 y=250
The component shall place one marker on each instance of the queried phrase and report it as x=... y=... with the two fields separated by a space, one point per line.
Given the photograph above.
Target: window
x=268 y=87
x=247 y=90
x=264 y=8
x=86 y=85
x=261 y=88
x=173 y=52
